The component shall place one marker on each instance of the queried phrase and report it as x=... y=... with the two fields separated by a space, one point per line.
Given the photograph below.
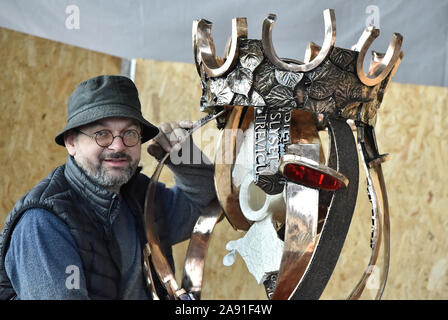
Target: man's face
x=109 y=167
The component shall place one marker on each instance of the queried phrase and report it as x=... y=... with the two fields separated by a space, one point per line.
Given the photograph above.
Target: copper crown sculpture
x=297 y=230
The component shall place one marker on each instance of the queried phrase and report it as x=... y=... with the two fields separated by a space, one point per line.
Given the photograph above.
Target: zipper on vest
x=109 y=224
x=112 y=247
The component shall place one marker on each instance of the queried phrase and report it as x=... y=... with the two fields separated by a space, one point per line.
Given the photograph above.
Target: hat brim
x=149 y=131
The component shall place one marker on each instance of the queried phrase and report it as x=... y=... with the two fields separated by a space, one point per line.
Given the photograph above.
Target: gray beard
x=101 y=177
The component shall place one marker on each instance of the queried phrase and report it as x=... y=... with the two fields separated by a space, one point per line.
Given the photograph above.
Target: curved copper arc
x=225 y=156
x=195 y=46
x=204 y=48
x=161 y=264
x=300 y=238
x=380 y=184
x=149 y=279
x=381 y=64
x=311 y=52
x=378 y=194
x=197 y=249
x=329 y=40
x=376 y=188
x=376 y=245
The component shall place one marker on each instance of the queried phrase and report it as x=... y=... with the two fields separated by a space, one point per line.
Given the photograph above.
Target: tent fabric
x=161 y=30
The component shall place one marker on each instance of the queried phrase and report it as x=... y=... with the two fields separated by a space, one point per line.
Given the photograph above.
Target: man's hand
x=171 y=133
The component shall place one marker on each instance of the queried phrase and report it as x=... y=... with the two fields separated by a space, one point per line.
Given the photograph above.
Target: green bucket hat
x=103 y=97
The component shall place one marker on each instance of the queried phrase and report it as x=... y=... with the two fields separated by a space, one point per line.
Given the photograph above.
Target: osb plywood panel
x=168 y=92
x=38 y=76
x=412 y=127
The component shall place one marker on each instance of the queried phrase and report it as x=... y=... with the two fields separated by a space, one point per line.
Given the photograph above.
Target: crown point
x=272 y=17
x=381 y=64
x=329 y=40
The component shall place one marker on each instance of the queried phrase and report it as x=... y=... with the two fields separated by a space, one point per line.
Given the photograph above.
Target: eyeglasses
x=105 y=138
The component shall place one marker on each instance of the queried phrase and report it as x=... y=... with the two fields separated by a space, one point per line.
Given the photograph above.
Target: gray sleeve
x=194 y=174
x=194 y=190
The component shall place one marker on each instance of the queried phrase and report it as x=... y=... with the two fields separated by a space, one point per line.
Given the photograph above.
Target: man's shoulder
x=39 y=219
x=44 y=192
x=55 y=177
x=42 y=197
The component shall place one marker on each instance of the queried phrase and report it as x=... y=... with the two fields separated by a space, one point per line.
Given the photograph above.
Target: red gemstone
x=311 y=177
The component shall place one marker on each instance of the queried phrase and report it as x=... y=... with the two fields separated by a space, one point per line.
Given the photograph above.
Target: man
x=79 y=234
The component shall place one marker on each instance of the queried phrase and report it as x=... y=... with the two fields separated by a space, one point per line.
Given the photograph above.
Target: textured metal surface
x=270 y=283
x=331 y=81
x=271 y=136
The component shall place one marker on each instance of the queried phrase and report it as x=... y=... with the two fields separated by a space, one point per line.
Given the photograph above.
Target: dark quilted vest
x=85 y=209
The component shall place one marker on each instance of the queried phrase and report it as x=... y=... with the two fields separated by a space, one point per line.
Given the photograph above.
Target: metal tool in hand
x=153 y=247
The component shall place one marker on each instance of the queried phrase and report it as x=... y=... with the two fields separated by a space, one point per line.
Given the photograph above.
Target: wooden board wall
x=37 y=77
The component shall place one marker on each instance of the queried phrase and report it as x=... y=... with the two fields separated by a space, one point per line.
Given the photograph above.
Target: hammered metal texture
x=333 y=88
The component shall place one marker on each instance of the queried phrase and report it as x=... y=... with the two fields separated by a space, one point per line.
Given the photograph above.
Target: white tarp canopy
x=161 y=29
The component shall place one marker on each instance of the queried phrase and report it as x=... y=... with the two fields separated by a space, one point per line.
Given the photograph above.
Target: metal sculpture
x=295 y=205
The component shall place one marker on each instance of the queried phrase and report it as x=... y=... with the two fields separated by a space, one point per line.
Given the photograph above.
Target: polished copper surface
x=204 y=47
x=381 y=239
x=197 y=249
x=149 y=278
x=311 y=52
x=161 y=265
x=225 y=190
x=315 y=59
x=305 y=131
x=300 y=237
x=302 y=214
x=381 y=64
